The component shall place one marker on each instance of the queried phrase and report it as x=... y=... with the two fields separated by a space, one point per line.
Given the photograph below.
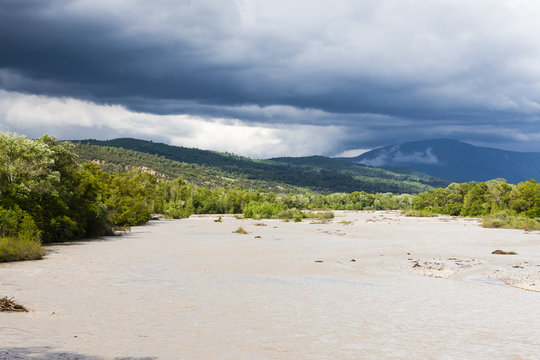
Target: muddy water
x=192 y=289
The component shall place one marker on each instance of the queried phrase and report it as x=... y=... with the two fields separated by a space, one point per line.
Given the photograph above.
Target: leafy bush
x=506 y=221
x=290 y=214
x=19 y=236
x=263 y=210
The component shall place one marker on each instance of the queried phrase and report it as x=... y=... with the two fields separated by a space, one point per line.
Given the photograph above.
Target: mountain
x=454 y=160
x=211 y=169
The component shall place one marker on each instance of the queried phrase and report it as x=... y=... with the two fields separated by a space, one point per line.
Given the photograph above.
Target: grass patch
x=18 y=249
x=7 y=304
x=321 y=215
x=345 y=222
x=298 y=215
x=505 y=221
x=418 y=213
x=219 y=219
x=240 y=230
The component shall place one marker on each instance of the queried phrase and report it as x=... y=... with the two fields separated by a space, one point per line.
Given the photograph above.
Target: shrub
x=506 y=221
x=321 y=215
x=263 y=210
x=290 y=214
x=418 y=213
x=240 y=230
x=178 y=210
x=19 y=236
x=16 y=249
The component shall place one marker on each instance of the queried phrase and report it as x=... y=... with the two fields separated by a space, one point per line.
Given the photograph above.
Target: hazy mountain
x=211 y=168
x=455 y=160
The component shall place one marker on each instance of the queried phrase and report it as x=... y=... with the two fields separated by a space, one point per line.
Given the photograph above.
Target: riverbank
x=365 y=285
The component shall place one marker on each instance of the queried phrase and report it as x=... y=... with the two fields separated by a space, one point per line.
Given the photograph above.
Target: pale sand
x=192 y=289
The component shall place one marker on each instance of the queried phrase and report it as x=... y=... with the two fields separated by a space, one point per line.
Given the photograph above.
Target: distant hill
x=454 y=160
x=360 y=171
x=212 y=169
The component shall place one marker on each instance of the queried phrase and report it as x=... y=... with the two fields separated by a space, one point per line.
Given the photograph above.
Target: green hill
x=213 y=169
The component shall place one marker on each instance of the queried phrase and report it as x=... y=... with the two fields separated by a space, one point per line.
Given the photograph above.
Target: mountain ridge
x=454 y=160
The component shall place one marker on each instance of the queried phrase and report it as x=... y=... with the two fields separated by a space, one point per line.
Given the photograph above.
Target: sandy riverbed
x=383 y=286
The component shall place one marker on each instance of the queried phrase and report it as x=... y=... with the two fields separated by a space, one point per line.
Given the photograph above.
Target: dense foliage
x=483 y=198
x=46 y=196
x=178 y=200
x=42 y=178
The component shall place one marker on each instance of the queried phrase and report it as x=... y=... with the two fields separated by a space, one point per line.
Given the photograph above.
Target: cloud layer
x=378 y=71
x=70 y=118
x=396 y=157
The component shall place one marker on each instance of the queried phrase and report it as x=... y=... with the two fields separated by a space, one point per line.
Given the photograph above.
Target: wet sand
x=383 y=286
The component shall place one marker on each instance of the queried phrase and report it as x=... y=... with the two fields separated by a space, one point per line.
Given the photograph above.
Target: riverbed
x=366 y=285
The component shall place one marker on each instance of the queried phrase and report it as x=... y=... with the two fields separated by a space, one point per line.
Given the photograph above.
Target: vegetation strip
x=47 y=196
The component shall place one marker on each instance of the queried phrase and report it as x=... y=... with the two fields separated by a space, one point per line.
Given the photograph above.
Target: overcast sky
x=270 y=78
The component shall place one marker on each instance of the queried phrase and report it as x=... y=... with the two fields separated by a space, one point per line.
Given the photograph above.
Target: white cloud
x=416 y=157
x=69 y=118
x=394 y=156
x=352 y=153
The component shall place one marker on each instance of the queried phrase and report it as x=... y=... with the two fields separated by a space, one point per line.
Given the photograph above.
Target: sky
x=273 y=78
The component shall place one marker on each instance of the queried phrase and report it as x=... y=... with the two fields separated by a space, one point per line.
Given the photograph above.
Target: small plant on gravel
x=240 y=230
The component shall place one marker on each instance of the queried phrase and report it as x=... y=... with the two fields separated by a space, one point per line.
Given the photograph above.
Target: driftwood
x=501 y=252
x=10 y=305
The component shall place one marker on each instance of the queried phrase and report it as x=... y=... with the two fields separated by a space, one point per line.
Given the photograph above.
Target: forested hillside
x=209 y=168
x=119 y=160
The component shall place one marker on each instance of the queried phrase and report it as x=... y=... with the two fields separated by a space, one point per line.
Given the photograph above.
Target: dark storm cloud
x=386 y=70
x=96 y=59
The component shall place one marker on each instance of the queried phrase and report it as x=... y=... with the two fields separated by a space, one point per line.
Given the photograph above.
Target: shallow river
x=193 y=289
